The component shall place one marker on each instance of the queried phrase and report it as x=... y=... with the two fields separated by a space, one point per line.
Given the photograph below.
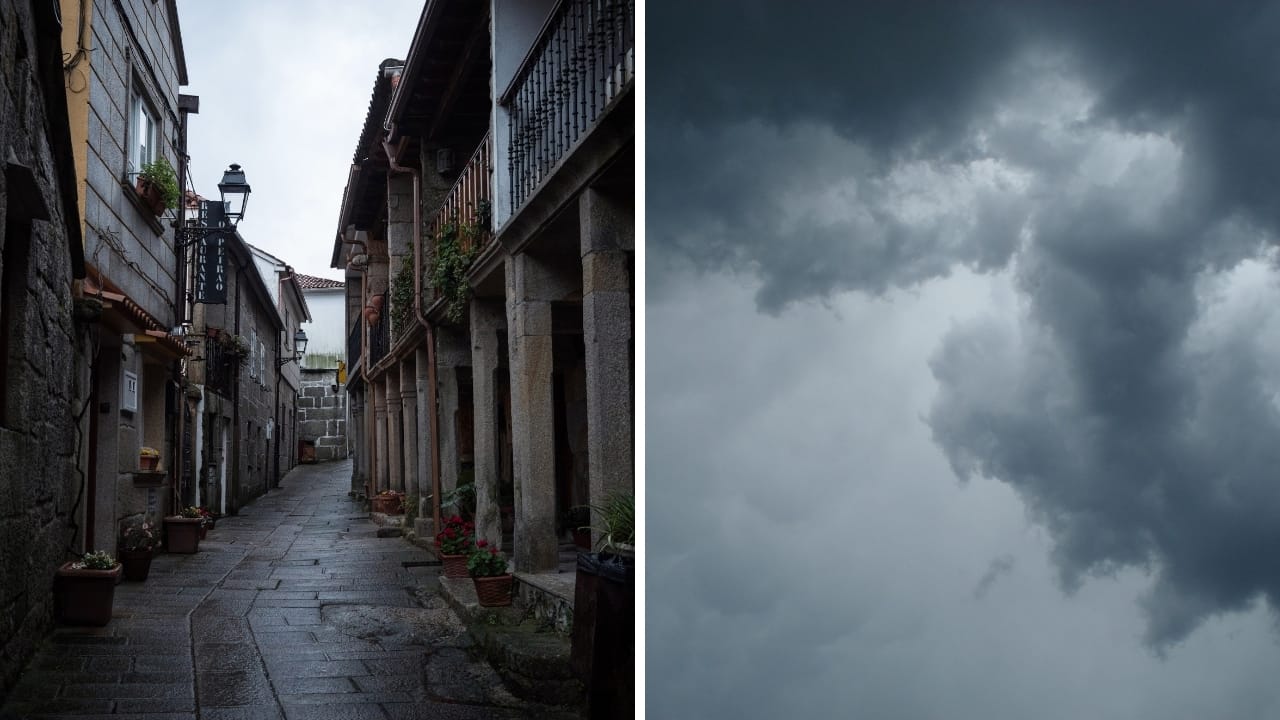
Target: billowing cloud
x=1119 y=163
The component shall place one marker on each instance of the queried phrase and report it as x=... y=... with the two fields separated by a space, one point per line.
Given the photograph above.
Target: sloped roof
x=310 y=282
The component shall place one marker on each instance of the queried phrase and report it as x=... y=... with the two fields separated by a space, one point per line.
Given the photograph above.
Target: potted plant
x=206 y=521
x=148 y=458
x=158 y=185
x=603 y=642
x=138 y=542
x=83 y=590
x=455 y=541
x=388 y=502
x=488 y=569
x=182 y=531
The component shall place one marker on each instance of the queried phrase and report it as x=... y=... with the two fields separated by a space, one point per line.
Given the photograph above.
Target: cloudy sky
x=284 y=87
x=963 y=363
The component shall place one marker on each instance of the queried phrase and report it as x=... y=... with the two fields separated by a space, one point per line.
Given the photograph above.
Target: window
x=142 y=132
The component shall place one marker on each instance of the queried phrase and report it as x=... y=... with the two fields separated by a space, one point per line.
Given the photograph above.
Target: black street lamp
x=235 y=194
x=300 y=347
x=223 y=215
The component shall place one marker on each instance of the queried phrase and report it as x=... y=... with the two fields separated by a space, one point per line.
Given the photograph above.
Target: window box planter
x=151 y=195
x=182 y=535
x=82 y=596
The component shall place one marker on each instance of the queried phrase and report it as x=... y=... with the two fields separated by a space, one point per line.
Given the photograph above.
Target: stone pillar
x=427 y=417
x=608 y=237
x=530 y=289
x=488 y=318
x=395 y=439
x=409 y=426
x=381 y=480
x=452 y=352
x=357 y=441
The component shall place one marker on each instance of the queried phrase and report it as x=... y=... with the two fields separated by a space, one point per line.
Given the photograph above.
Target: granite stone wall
x=41 y=373
x=322 y=414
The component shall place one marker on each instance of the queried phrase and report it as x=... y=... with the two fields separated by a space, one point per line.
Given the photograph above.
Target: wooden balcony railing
x=582 y=60
x=469 y=200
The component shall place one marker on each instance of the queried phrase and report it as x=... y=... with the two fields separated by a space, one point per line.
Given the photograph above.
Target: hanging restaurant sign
x=211 y=269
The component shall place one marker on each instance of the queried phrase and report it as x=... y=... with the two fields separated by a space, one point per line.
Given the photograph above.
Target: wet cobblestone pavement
x=291 y=609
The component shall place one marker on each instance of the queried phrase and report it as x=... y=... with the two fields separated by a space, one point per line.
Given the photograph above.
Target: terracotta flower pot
x=493 y=591
x=455 y=566
x=137 y=564
x=148 y=463
x=84 y=596
x=388 y=504
x=182 y=535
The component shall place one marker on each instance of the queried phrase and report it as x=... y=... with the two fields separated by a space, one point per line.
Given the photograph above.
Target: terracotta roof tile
x=310 y=282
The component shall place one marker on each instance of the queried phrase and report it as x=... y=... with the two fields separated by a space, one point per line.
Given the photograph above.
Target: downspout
x=394 y=167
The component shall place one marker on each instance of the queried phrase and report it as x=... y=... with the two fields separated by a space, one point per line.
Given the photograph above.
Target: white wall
x=326 y=340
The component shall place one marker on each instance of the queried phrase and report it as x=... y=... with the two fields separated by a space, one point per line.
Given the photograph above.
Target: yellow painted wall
x=77 y=41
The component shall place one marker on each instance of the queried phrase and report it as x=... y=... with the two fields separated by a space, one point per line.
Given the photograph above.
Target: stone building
x=44 y=386
x=124 y=67
x=287 y=289
x=487 y=233
x=234 y=385
x=323 y=406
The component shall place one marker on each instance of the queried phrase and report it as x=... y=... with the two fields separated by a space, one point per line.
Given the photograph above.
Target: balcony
x=583 y=59
x=468 y=201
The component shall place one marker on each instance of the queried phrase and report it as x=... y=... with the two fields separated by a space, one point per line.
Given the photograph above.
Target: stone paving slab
x=291 y=609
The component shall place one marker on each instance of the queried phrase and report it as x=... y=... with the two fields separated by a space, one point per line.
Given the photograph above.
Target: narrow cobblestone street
x=292 y=609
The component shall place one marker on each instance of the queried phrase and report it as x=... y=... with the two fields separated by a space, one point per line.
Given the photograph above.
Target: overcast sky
x=284 y=88
x=963 y=360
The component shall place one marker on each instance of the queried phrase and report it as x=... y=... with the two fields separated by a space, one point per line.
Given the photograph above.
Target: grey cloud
x=1002 y=565
x=1132 y=156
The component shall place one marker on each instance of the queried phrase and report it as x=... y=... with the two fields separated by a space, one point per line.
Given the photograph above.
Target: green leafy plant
x=617 y=518
x=462 y=498
x=410 y=509
x=402 y=299
x=99 y=560
x=486 y=561
x=456 y=246
x=457 y=537
x=161 y=174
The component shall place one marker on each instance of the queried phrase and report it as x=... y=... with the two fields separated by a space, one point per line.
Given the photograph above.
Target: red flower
x=448 y=532
x=482 y=543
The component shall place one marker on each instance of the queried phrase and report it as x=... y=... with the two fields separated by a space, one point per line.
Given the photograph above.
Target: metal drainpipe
x=417 y=314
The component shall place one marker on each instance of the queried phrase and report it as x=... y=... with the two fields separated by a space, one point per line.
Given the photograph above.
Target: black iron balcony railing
x=584 y=58
x=220 y=367
x=355 y=345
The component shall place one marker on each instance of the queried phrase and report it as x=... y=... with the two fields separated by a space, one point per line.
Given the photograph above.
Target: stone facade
x=322 y=414
x=236 y=434
x=40 y=343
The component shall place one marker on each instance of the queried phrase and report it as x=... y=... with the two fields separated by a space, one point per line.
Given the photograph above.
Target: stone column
x=381 y=480
x=427 y=418
x=530 y=288
x=488 y=318
x=452 y=352
x=409 y=425
x=356 y=441
x=395 y=440
x=608 y=237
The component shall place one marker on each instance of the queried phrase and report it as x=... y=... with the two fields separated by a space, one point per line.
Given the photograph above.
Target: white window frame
x=144 y=130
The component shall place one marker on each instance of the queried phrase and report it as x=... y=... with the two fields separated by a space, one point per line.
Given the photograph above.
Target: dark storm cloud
x=792 y=141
